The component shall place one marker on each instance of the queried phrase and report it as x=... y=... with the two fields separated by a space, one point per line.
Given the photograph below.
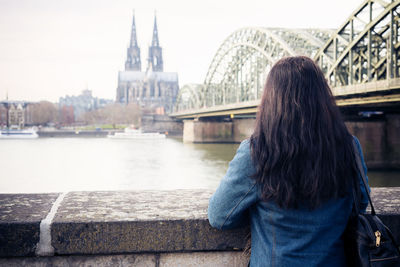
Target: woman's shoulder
x=243 y=150
x=243 y=155
x=245 y=145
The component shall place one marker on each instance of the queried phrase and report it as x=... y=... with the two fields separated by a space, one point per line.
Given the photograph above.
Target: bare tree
x=44 y=112
x=114 y=114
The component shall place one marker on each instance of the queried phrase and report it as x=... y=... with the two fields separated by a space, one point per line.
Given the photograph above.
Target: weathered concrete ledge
x=193 y=259
x=133 y=226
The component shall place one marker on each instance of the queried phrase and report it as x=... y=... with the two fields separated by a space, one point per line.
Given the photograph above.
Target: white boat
x=18 y=134
x=130 y=133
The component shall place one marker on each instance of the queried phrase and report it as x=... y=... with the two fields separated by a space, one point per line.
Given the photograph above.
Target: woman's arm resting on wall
x=236 y=192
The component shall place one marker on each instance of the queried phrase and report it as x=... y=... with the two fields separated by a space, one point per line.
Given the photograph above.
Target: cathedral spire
x=133 y=32
x=133 y=52
x=155 y=60
x=155 y=41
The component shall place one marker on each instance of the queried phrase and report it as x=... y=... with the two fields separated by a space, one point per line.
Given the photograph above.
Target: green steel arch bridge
x=361 y=61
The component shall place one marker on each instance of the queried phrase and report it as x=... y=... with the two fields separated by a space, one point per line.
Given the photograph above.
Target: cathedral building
x=152 y=88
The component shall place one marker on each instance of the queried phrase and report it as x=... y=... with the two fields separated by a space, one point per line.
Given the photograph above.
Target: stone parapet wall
x=181 y=259
x=131 y=228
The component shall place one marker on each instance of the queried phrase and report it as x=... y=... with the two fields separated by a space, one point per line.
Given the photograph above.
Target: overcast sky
x=53 y=48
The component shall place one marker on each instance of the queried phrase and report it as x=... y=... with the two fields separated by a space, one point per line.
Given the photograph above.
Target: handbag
x=367 y=241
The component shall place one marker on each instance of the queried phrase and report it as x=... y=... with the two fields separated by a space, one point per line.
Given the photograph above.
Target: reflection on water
x=216 y=152
x=72 y=164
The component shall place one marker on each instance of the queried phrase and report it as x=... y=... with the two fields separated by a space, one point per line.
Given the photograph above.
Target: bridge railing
x=362 y=54
x=365 y=88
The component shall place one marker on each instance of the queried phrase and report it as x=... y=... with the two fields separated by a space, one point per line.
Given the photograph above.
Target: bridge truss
x=362 y=56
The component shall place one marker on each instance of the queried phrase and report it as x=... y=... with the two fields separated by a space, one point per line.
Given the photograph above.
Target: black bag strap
x=363 y=178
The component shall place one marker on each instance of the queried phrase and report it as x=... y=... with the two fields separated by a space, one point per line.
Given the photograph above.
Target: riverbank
x=77 y=133
x=88 y=133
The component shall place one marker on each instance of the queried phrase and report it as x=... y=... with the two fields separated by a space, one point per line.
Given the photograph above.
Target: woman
x=292 y=179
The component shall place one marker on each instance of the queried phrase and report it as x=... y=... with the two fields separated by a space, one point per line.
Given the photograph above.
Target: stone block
x=204 y=259
x=386 y=201
x=143 y=260
x=143 y=221
x=20 y=217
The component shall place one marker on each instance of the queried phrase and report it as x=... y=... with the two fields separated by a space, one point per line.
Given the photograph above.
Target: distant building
x=16 y=115
x=152 y=88
x=75 y=106
x=3 y=116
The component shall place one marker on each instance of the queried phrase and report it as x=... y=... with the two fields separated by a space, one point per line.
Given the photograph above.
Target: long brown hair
x=301 y=147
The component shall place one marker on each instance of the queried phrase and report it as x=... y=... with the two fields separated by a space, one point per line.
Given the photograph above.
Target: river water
x=86 y=164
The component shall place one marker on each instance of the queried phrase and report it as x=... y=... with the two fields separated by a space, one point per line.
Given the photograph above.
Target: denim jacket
x=280 y=237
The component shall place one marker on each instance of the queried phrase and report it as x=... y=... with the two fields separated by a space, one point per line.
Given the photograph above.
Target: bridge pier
x=380 y=139
x=198 y=131
x=214 y=131
x=161 y=124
